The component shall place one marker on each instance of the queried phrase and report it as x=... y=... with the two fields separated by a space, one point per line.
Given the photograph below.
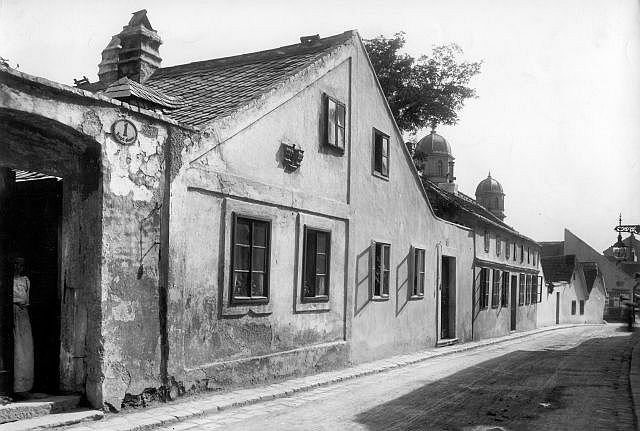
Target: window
x=504 y=293
x=528 y=255
x=521 y=253
x=534 y=289
x=527 y=295
x=380 y=153
x=507 y=250
x=521 y=290
x=535 y=258
x=581 y=306
x=440 y=169
x=573 y=307
x=514 y=251
x=316 y=263
x=418 y=272
x=495 y=293
x=539 y=289
x=335 y=117
x=484 y=288
x=486 y=241
x=250 y=260
x=381 y=270
x=498 y=245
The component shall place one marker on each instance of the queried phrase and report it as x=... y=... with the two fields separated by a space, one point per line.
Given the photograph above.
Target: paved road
x=571 y=379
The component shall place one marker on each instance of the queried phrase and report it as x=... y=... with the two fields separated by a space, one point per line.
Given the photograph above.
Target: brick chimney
x=133 y=53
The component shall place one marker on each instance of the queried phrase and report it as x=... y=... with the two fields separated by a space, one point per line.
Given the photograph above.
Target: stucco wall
x=109 y=318
x=395 y=211
x=237 y=168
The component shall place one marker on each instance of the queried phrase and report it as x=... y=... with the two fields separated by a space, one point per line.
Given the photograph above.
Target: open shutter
x=476 y=289
x=539 y=289
x=411 y=276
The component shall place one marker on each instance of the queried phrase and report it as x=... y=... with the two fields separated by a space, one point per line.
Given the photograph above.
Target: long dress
x=22 y=337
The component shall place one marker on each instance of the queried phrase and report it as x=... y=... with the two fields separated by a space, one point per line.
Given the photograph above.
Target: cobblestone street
x=574 y=378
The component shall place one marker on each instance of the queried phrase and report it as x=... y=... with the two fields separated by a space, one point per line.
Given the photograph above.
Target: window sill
x=495 y=307
x=380 y=298
x=312 y=299
x=416 y=297
x=334 y=149
x=379 y=175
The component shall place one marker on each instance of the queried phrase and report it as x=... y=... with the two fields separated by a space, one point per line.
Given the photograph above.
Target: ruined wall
x=395 y=211
x=110 y=325
x=237 y=168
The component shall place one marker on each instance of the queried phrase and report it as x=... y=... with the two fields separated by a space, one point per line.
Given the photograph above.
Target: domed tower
x=489 y=194
x=434 y=151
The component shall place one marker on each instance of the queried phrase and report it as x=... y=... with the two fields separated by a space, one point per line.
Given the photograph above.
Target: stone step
x=37 y=407
x=447 y=342
x=53 y=420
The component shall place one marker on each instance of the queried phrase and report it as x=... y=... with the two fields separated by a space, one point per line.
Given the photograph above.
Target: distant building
x=507 y=284
x=617 y=282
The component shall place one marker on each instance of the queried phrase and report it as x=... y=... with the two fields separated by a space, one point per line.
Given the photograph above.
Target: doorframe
x=453 y=298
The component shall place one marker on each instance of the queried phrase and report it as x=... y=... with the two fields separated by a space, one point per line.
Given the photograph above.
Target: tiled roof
x=552 y=248
x=558 y=268
x=591 y=272
x=459 y=207
x=215 y=88
x=124 y=88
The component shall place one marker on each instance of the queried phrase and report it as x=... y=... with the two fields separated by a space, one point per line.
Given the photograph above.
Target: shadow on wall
x=401 y=301
x=362 y=294
x=511 y=393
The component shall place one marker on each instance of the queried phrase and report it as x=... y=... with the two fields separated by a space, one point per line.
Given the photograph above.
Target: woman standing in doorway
x=22 y=337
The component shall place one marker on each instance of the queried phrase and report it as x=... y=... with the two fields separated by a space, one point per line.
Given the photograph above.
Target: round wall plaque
x=124 y=131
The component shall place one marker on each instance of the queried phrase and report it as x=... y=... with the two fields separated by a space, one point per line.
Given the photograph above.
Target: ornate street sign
x=124 y=131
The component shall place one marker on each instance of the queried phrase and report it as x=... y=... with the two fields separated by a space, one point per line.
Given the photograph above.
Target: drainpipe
x=473 y=284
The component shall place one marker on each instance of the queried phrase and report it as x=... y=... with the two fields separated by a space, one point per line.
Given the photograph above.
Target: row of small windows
x=494 y=285
x=511 y=250
x=573 y=307
x=251 y=243
x=335 y=121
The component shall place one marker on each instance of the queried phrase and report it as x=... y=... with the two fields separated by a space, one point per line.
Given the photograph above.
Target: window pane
x=309 y=262
x=240 y=284
x=385 y=283
x=260 y=233
x=340 y=139
x=321 y=262
x=321 y=242
x=331 y=122
x=421 y=284
x=378 y=153
x=259 y=259
x=340 y=114
x=321 y=288
x=385 y=166
x=257 y=284
x=243 y=231
x=241 y=258
x=386 y=249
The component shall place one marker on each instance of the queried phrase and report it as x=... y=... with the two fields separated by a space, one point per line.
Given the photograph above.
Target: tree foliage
x=426 y=91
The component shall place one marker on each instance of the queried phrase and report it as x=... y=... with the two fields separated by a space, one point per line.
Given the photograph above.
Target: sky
x=556 y=120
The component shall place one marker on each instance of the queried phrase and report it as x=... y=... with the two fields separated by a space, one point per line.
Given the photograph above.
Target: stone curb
x=634 y=380
x=181 y=410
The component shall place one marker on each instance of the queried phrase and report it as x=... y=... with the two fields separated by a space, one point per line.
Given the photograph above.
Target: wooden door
x=514 y=298
x=444 y=300
x=6 y=285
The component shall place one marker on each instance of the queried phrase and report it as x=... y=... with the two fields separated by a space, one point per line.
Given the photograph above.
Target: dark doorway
x=448 y=299
x=514 y=304
x=557 y=308
x=34 y=219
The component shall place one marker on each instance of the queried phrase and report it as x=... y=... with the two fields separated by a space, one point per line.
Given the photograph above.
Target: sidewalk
x=191 y=407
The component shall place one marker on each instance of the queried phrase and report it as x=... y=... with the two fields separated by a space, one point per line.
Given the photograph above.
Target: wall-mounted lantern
x=291 y=156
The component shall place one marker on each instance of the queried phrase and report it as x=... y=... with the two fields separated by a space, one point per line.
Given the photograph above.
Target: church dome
x=489 y=185
x=433 y=144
